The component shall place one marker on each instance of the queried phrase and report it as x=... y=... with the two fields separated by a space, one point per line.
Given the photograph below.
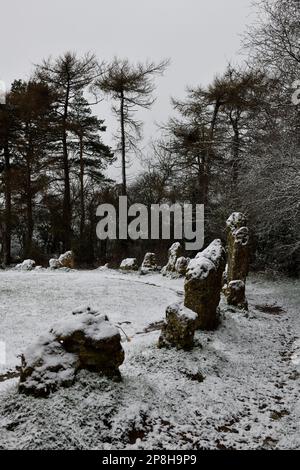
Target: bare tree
x=132 y=87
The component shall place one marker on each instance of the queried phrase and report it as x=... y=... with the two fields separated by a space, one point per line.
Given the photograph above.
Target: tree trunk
x=7 y=211
x=123 y=146
x=236 y=155
x=235 y=148
x=29 y=211
x=67 y=214
x=82 y=204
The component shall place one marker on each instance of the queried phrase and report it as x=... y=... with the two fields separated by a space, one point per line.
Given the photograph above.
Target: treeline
x=233 y=146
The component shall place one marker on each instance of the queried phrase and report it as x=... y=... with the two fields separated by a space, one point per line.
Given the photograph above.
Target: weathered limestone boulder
x=203 y=284
x=129 y=264
x=26 y=265
x=174 y=252
x=95 y=341
x=238 y=260
x=235 y=293
x=149 y=263
x=237 y=247
x=67 y=260
x=179 y=328
x=86 y=341
x=54 y=263
x=46 y=367
x=181 y=265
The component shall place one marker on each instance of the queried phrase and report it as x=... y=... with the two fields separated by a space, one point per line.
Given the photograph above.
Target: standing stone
x=54 y=263
x=129 y=264
x=181 y=265
x=235 y=293
x=86 y=341
x=67 y=260
x=95 y=341
x=203 y=284
x=27 y=265
x=237 y=247
x=149 y=263
x=175 y=252
x=238 y=260
x=46 y=367
x=179 y=328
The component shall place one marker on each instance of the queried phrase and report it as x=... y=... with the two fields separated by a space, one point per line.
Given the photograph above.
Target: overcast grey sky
x=199 y=36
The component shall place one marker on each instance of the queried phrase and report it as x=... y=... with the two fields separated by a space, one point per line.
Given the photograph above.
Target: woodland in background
x=233 y=146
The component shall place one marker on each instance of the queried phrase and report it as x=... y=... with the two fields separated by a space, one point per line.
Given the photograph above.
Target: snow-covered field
x=238 y=388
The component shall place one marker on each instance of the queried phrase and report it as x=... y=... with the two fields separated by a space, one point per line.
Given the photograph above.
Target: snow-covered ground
x=238 y=388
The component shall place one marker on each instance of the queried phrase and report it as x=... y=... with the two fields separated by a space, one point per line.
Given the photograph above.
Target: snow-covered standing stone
x=67 y=260
x=129 y=264
x=181 y=265
x=86 y=341
x=235 y=293
x=238 y=259
x=26 y=265
x=179 y=327
x=54 y=263
x=203 y=284
x=149 y=263
x=237 y=247
x=174 y=252
x=45 y=367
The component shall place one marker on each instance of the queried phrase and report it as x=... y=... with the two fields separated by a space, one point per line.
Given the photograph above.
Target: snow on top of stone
x=236 y=220
x=182 y=311
x=84 y=309
x=26 y=265
x=174 y=248
x=237 y=284
x=199 y=268
x=49 y=353
x=128 y=262
x=93 y=325
x=65 y=256
x=205 y=261
x=213 y=252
